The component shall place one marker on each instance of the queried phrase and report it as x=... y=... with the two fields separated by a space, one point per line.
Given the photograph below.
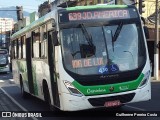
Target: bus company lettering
x=108 y=14
x=87 y=62
x=122 y=88
x=99 y=90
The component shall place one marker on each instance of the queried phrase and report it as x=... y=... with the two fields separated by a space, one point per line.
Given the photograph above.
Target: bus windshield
x=95 y=50
x=3 y=57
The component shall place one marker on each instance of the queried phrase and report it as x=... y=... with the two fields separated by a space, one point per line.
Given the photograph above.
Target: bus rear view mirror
x=87 y=50
x=146 y=31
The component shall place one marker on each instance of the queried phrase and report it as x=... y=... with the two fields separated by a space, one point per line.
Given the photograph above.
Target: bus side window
x=23 y=49
x=36 y=43
x=12 y=50
x=44 y=42
x=19 y=49
x=15 y=49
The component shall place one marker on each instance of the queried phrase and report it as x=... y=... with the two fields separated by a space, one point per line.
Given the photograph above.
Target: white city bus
x=83 y=57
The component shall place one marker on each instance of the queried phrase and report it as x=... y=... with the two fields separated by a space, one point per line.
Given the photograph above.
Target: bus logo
x=111 y=89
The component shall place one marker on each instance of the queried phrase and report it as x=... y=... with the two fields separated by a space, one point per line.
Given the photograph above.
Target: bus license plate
x=112 y=103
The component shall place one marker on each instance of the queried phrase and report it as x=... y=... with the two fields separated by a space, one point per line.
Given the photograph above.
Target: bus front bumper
x=75 y=103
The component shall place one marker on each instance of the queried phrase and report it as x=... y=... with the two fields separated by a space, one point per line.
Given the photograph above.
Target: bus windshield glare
x=103 y=49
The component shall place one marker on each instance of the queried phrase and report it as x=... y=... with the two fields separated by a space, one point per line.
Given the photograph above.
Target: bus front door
x=51 y=61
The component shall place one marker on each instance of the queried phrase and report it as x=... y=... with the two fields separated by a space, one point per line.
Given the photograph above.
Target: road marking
x=135 y=108
x=1 y=80
x=13 y=100
x=11 y=79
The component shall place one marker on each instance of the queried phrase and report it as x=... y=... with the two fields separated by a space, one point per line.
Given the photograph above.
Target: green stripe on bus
x=105 y=89
x=35 y=80
x=95 y=7
x=29 y=27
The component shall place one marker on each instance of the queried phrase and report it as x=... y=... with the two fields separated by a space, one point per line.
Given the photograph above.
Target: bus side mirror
x=55 y=39
x=146 y=31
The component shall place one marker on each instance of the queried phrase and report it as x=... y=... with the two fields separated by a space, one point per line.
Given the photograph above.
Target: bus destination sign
x=105 y=14
x=97 y=14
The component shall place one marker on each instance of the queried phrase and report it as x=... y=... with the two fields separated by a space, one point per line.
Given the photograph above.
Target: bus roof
x=95 y=7
x=52 y=13
x=33 y=24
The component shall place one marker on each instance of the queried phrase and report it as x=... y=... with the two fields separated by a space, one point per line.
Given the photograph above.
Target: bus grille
x=101 y=101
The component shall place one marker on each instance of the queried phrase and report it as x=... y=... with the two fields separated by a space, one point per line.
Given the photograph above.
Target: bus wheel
x=48 y=99
x=47 y=96
x=23 y=93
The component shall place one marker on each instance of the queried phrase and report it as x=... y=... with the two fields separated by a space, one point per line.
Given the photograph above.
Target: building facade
x=6 y=24
x=149 y=15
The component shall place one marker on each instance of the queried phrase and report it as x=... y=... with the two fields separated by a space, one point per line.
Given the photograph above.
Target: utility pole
x=156 y=45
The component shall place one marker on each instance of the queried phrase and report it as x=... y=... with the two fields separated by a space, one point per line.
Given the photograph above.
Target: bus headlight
x=72 y=89
x=145 y=79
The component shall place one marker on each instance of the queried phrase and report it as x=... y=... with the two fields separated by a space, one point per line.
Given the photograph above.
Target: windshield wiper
x=87 y=35
x=86 y=50
x=115 y=36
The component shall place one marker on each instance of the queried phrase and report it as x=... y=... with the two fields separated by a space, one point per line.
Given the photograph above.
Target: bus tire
x=24 y=94
x=47 y=98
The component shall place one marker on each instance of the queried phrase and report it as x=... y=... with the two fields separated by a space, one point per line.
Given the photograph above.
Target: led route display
x=106 y=14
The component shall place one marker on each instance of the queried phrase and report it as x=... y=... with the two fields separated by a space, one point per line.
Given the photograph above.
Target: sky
x=28 y=5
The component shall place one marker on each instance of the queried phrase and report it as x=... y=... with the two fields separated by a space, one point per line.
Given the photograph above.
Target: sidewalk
x=7 y=105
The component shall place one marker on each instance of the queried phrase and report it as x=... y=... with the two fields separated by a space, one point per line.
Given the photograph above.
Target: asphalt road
x=34 y=104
